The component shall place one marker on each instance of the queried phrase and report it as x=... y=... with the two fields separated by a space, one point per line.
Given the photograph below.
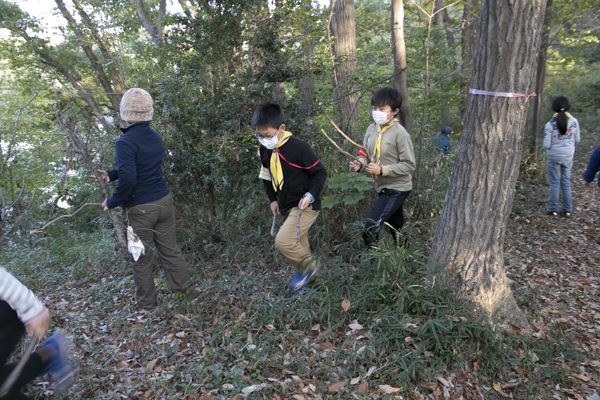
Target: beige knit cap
x=136 y=106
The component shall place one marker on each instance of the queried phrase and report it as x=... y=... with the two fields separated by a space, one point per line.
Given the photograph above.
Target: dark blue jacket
x=593 y=166
x=138 y=156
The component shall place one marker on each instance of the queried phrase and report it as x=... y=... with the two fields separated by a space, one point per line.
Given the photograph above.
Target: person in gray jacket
x=389 y=157
x=561 y=134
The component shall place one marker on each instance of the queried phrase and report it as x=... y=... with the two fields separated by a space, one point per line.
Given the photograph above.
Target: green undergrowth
x=372 y=315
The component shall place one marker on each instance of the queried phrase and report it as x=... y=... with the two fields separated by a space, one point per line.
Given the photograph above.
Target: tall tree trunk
x=469 y=237
x=307 y=89
x=538 y=101
x=399 y=54
x=343 y=28
x=278 y=94
x=468 y=38
x=440 y=19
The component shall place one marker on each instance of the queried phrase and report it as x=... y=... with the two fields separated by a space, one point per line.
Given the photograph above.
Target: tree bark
x=343 y=28
x=399 y=54
x=534 y=134
x=468 y=39
x=441 y=18
x=155 y=30
x=108 y=58
x=104 y=80
x=469 y=237
x=307 y=79
x=78 y=145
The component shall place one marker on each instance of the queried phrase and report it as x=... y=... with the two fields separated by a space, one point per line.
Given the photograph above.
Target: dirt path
x=555 y=263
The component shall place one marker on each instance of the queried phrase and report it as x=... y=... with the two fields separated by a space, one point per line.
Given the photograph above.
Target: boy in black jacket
x=293 y=177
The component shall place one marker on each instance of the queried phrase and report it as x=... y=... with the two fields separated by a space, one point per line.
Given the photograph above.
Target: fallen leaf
x=151 y=364
x=336 y=387
x=345 y=305
x=354 y=381
x=581 y=377
x=387 y=389
x=498 y=388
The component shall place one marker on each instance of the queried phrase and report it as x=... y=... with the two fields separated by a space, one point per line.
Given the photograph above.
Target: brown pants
x=154 y=223
x=292 y=238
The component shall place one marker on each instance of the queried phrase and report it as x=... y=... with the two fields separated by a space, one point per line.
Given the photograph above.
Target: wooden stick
x=344 y=152
x=344 y=135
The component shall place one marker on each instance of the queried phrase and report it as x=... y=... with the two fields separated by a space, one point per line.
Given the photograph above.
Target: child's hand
x=38 y=326
x=374 y=169
x=355 y=165
x=304 y=202
x=104 y=206
x=274 y=208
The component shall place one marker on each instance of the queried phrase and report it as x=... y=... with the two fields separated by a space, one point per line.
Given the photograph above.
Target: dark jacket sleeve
x=127 y=173
x=593 y=166
x=113 y=175
x=270 y=191
x=317 y=172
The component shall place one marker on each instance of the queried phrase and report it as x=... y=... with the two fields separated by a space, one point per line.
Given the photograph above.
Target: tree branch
x=96 y=66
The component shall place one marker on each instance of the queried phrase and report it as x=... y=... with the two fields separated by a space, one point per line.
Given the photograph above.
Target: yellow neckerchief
x=275 y=163
x=380 y=131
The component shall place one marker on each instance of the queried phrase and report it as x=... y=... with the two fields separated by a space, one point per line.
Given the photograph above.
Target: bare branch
x=43 y=228
x=96 y=66
x=154 y=31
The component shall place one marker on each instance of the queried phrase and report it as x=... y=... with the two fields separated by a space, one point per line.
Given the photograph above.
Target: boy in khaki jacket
x=390 y=159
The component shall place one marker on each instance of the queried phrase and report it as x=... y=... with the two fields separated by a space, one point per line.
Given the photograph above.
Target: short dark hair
x=387 y=97
x=267 y=115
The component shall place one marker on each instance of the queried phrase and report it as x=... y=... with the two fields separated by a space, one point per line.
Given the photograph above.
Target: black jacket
x=302 y=172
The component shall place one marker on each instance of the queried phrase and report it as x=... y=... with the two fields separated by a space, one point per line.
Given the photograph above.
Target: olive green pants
x=154 y=223
x=292 y=238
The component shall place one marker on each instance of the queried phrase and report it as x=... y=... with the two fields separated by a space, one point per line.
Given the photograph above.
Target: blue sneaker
x=59 y=366
x=306 y=278
x=295 y=280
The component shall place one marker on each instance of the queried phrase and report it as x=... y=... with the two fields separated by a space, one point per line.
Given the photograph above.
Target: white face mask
x=269 y=142
x=380 y=117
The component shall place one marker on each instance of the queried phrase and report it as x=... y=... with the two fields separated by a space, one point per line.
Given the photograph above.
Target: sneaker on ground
x=295 y=280
x=59 y=366
x=307 y=277
x=552 y=213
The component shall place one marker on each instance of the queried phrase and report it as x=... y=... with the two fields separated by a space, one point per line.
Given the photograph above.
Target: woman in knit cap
x=142 y=191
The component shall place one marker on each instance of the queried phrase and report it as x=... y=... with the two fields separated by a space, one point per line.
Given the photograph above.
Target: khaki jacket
x=397 y=157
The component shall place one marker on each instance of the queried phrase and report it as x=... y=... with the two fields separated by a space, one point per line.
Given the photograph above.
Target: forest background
x=383 y=329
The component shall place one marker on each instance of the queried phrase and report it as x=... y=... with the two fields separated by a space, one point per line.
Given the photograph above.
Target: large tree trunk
x=307 y=90
x=399 y=54
x=468 y=38
x=343 y=28
x=469 y=238
x=534 y=134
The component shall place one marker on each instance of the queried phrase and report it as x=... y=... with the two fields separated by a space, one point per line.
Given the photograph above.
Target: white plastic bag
x=135 y=247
